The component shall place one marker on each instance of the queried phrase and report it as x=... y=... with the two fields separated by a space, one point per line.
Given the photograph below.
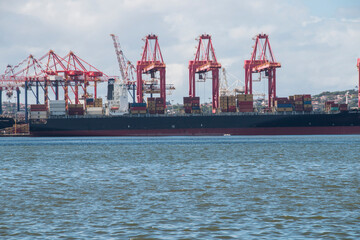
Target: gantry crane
x=262 y=60
x=205 y=61
x=70 y=71
x=151 y=62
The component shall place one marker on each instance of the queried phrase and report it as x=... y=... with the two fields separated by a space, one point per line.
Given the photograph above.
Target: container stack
x=307 y=103
x=98 y=102
x=245 y=102
x=298 y=103
x=75 y=109
x=94 y=111
x=195 y=105
x=188 y=104
x=151 y=105
x=283 y=105
x=38 y=111
x=231 y=103
x=334 y=107
x=90 y=102
x=57 y=107
x=159 y=105
x=138 y=108
x=343 y=107
x=224 y=103
x=329 y=105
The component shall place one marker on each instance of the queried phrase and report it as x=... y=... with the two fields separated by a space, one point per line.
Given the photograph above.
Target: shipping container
x=246 y=110
x=188 y=109
x=138 y=105
x=58 y=113
x=38 y=107
x=232 y=109
x=38 y=114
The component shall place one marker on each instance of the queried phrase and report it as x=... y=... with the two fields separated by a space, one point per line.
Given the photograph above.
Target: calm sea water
x=283 y=187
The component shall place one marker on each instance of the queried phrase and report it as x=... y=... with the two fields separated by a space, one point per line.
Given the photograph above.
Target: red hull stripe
x=208 y=131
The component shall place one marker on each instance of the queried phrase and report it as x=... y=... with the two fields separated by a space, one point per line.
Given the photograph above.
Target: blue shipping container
x=284 y=106
x=307 y=102
x=138 y=105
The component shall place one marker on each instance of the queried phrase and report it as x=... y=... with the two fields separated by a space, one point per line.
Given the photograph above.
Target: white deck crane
x=120 y=58
x=118 y=105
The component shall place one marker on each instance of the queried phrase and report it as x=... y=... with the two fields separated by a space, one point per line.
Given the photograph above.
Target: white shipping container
x=38 y=115
x=57 y=101
x=57 y=104
x=58 y=113
x=38 y=112
x=57 y=109
x=55 y=78
x=94 y=111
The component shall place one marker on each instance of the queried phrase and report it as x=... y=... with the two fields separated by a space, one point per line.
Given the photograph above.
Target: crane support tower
x=151 y=62
x=358 y=66
x=205 y=61
x=262 y=60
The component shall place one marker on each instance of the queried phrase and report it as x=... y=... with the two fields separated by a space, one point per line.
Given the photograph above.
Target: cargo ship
x=200 y=124
x=236 y=116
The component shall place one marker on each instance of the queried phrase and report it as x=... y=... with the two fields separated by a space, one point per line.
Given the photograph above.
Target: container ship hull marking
x=201 y=125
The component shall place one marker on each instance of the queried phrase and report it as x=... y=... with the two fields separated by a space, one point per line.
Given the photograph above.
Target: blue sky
x=330 y=8
x=317 y=42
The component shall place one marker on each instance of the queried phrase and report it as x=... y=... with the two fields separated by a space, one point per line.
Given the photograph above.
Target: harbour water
x=271 y=187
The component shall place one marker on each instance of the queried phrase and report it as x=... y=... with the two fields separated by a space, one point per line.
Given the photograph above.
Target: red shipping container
x=38 y=107
x=187 y=110
x=187 y=99
x=242 y=103
x=195 y=100
x=246 y=110
x=232 y=109
x=159 y=100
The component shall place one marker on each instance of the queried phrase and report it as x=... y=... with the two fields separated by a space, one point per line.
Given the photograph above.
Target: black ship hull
x=6 y=122
x=200 y=125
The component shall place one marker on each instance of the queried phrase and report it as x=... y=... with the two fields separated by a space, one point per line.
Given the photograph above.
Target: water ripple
x=283 y=187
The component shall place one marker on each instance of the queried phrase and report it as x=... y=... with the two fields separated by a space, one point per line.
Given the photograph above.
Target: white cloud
x=316 y=53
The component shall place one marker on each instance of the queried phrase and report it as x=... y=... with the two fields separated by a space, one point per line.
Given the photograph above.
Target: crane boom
x=120 y=58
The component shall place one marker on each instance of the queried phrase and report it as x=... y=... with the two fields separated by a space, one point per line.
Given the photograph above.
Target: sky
x=316 y=41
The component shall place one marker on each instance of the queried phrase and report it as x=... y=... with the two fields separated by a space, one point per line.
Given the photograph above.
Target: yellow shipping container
x=249 y=97
x=241 y=97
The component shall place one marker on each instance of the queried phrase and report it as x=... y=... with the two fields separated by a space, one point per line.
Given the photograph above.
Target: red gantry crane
x=73 y=72
x=205 y=61
x=262 y=60
x=150 y=63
